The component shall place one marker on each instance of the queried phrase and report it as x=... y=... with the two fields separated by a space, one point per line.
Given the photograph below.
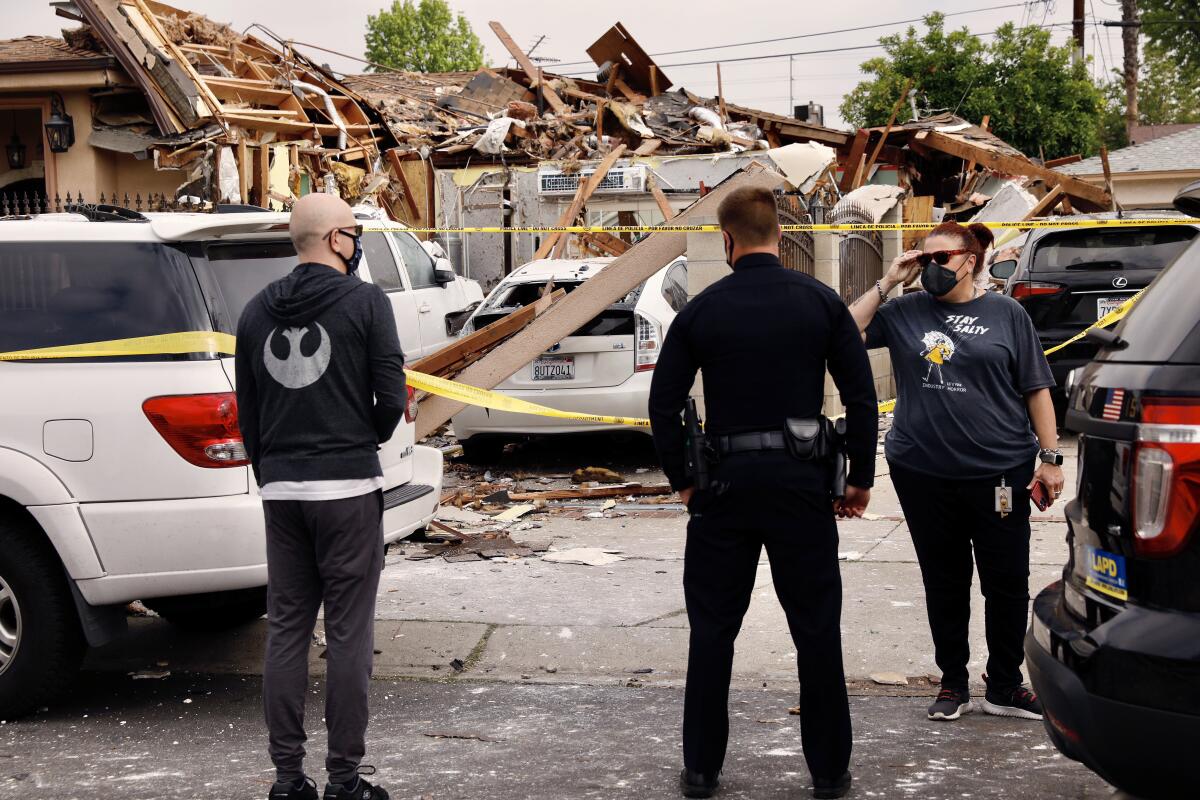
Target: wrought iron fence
x=860 y=256
x=29 y=204
x=796 y=249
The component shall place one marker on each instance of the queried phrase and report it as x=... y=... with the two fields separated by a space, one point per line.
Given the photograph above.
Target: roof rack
x=101 y=212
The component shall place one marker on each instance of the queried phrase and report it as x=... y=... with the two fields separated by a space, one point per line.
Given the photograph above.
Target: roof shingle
x=1177 y=152
x=43 y=49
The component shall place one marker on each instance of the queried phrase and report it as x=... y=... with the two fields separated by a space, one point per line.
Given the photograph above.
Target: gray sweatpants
x=330 y=550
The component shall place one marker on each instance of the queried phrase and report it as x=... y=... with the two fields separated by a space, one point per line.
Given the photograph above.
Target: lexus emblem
x=1120 y=281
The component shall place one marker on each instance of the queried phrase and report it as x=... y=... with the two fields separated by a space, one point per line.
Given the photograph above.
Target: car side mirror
x=1188 y=200
x=443 y=277
x=1004 y=270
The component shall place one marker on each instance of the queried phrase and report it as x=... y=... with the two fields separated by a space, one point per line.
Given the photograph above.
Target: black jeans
x=948 y=519
x=725 y=537
x=331 y=551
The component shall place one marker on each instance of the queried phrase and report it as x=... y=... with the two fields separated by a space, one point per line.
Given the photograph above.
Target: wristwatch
x=1054 y=457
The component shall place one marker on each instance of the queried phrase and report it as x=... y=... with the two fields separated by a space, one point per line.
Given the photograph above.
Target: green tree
x=1172 y=31
x=1037 y=99
x=1165 y=97
x=422 y=36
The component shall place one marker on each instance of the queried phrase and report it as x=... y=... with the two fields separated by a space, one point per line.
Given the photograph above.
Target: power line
x=819 y=33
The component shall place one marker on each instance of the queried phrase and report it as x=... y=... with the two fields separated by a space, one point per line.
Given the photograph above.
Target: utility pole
x=1130 y=28
x=791 y=100
x=1078 y=30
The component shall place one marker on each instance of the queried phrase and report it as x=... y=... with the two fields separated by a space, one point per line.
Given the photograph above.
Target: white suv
x=605 y=367
x=119 y=476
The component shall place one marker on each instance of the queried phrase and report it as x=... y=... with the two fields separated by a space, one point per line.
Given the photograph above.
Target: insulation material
x=875 y=198
x=803 y=164
x=229 y=180
x=492 y=140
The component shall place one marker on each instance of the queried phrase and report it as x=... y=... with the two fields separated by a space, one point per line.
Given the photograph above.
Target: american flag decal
x=1114 y=404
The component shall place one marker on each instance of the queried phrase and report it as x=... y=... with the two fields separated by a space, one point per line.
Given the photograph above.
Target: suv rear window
x=1165 y=324
x=63 y=293
x=241 y=270
x=1125 y=249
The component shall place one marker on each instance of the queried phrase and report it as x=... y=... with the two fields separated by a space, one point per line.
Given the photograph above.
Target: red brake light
x=1025 y=289
x=410 y=408
x=202 y=428
x=1166 y=476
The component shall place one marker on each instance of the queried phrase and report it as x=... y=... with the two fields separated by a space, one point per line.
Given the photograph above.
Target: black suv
x=1068 y=279
x=1114 y=648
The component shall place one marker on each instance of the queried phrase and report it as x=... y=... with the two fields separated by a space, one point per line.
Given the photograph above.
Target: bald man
x=320 y=384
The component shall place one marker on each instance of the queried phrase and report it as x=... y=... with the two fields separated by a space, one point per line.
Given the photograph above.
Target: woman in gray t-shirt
x=973 y=416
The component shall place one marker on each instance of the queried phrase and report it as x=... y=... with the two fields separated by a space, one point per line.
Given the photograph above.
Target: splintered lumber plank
x=1093 y=196
x=264 y=175
x=409 y=200
x=581 y=197
x=604 y=243
x=243 y=165
x=552 y=99
x=660 y=198
x=630 y=490
x=1108 y=183
x=721 y=97
x=1062 y=162
x=627 y=271
x=245 y=91
x=289 y=126
x=436 y=363
x=887 y=130
x=631 y=94
x=1052 y=198
x=857 y=149
x=648 y=147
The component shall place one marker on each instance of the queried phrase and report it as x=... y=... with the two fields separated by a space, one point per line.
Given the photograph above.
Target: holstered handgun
x=697 y=450
x=839 y=462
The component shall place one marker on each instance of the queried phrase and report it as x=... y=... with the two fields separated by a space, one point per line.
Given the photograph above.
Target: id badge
x=1004 y=499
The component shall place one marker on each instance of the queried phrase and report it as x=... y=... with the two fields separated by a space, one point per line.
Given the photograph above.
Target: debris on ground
x=457 y=546
x=889 y=679
x=586 y=556
x=474 y=737
x=596 y=475
x=150 y=674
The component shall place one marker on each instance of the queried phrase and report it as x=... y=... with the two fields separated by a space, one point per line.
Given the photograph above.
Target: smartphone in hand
x=1040 y=496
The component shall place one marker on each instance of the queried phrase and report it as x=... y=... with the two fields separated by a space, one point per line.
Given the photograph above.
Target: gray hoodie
x=320 y=377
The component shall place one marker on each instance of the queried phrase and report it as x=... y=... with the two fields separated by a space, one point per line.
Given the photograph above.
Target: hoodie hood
x=299 y=297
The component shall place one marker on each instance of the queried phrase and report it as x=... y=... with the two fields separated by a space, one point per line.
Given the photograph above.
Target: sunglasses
x=358 y=230
x=942 y=257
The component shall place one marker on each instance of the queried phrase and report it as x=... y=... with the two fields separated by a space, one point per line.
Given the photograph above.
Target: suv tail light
x=202 y=428
x=1023 y=290
x=410 y=409
x=649 y=343
x=1166 y=476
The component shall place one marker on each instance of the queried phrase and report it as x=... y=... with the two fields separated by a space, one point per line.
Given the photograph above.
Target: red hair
x=976 y=238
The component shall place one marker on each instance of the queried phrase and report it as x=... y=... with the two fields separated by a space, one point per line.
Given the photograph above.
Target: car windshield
x=63 y=293
x=241 y=270
x=1164 y=326
x=1124 y=249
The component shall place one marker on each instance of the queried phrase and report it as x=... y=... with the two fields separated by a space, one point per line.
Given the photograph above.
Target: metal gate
x=860 y=257
x=796 y=249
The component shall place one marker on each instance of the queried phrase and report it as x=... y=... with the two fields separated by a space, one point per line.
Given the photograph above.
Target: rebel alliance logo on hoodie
x=297 y=370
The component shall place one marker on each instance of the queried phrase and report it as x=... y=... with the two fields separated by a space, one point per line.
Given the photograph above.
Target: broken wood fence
x=860 y=255
x=26 y=204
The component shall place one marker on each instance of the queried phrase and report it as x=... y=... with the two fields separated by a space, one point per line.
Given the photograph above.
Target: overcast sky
x=659 y=26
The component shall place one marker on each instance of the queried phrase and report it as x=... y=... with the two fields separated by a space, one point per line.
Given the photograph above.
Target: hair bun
x=982 y=233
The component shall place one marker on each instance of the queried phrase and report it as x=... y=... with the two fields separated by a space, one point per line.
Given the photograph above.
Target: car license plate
x=1107 y=305
x=1106 y=573
x=554 y=368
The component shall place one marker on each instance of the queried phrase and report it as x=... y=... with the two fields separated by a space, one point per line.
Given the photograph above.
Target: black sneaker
x=697 y=784
x=304 y=789
x=1018 y=702
x=831 y=788
x=360 y=790
x=951 y=704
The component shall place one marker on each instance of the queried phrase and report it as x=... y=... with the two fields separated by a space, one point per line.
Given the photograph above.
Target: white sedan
x=603 y=368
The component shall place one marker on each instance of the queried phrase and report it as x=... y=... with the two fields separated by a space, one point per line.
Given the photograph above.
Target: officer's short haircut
x=749 y=216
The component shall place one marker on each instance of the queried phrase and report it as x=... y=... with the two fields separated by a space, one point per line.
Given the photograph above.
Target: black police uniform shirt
x=962 y=373
x=762 y=338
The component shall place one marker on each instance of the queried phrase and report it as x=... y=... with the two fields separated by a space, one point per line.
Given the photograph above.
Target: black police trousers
x=725 y=538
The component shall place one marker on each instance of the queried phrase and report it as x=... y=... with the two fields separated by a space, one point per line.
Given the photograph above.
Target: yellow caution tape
x=1111 y=318
x=486 y=398
x=163 y=344
x=845 y=227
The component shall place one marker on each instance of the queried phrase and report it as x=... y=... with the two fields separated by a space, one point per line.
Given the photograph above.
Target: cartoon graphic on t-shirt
x=939 y=350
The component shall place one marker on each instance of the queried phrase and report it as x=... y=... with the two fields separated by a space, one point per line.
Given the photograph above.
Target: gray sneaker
x=1019 y=702
x=951 y=704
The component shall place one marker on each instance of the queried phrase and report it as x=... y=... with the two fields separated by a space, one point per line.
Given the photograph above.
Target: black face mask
x=353 y=261
x=938 y=280
x=729 y=252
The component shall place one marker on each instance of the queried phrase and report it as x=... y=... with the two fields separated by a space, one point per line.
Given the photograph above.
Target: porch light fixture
x=15 y=149
x=60 y=128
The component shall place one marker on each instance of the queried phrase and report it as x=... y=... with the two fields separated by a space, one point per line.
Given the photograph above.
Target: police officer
x=763 y=338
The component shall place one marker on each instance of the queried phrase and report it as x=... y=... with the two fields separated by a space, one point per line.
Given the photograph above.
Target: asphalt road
x=189 y=737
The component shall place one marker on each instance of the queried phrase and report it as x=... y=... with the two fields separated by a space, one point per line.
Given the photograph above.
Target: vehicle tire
x=482 y=450
x=41 y=642
x=214 y=611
